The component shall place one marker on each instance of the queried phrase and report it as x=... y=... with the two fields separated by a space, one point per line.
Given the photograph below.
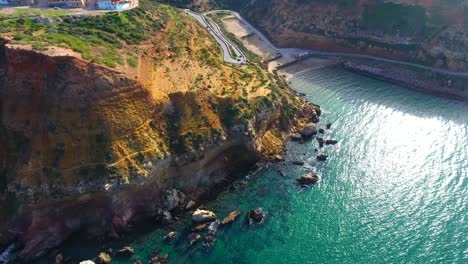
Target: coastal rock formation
x=308 y=179
x=78 y=134
x=231 y=217
x=125 y=252
x=201 y=216
x=193 y=238
x=256 y=215
x=309 y=130
x=170 y=236
x=104 y=258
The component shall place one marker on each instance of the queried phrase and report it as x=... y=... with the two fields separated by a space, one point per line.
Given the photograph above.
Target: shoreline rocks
x=193 y=238
x=125 y=252
x=104 y=258
x=309 y=130
x=308 y=179
x=201 y=216
x=298 y=163
x=231 y=217
x=331 y=142
x=170 y=236
x=322 y=157
x=256 y=215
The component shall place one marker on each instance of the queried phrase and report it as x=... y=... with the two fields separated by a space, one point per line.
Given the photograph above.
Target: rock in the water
x=298 y=163
x=321 y=130
x=322 y=157
x=59 y=259
x=173 y=198
x=330 y=142
x=309 y=130
x=213 y=227
x=159 y=259
x=125 y=252
x=137 y=262
x=190 y=204
x=87 y=262
x=308 y=179
x=203 y=216
x=296 y=137
x=329 y=125
x=193 y=238
x=170 y=236
x=209 y=242
x=232 y=216
x=256 y=215
x=104 y=258
x=200 y=227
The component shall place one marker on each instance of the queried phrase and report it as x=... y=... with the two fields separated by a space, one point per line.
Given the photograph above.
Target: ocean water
x=394 y=190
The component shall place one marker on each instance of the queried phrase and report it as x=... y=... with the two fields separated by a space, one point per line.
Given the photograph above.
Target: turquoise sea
x=394 y=190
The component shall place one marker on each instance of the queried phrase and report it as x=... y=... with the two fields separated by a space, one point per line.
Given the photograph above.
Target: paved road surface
x=340 y=54
x=222 y=40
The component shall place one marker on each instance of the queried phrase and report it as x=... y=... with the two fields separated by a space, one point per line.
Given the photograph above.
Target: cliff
x=110 y=126
x=430 y=32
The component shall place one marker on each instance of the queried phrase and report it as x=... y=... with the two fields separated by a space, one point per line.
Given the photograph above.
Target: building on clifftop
x=17 y=2
x=113 y=4
x=67 y=3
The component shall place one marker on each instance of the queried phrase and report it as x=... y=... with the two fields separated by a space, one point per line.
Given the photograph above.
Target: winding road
x=283 y=51
x=226 y=45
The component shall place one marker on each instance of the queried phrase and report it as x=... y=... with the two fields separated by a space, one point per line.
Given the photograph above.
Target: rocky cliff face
x=77 y=137
x=431 y=32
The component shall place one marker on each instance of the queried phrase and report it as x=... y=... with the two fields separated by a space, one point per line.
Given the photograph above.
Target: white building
x=113 y=4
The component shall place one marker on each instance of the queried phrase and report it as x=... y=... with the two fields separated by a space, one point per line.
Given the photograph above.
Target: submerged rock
x=193 y=238
x=256 y=215
x=329 y=125
x=159 y=259
x=322 y=157
x=298 y=163
x=308 y=179
x=200 y=227
x=321 y=131
x=170 y=236
x=203 y=216
x=125 y=252
x=209 y=242
x=330 y=142
x=104 y=258
x=231 y=217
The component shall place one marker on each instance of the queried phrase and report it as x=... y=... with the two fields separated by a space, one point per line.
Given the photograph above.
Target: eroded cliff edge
x=90 y=148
